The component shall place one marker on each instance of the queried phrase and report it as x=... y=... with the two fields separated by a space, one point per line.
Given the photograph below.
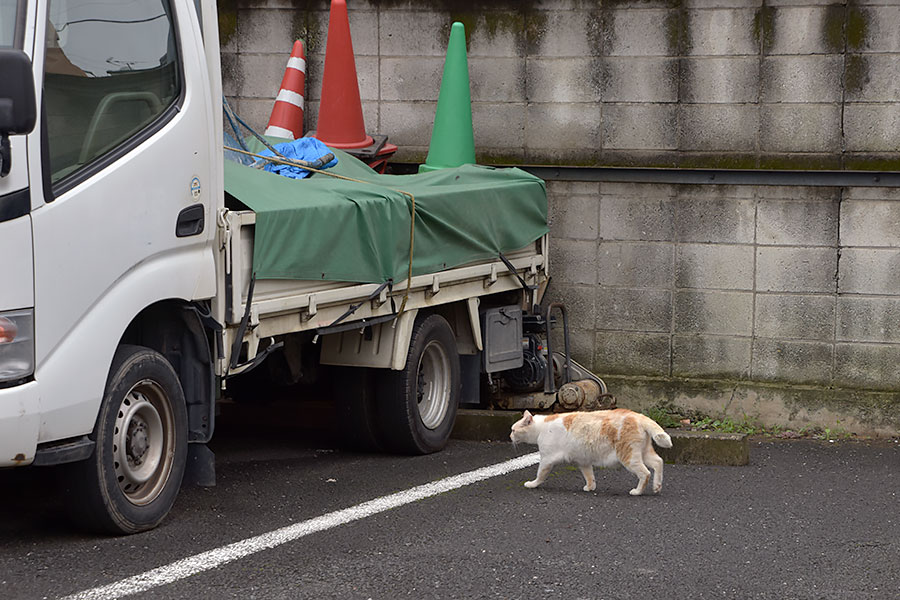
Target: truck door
x=126 y=218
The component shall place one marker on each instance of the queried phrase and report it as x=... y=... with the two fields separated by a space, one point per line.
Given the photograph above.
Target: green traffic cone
x=452 y=138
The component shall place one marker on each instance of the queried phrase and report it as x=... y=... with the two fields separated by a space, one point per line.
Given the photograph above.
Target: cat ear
x=527 y=418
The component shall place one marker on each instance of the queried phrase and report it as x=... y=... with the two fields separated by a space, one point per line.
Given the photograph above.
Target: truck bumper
x=20 y=419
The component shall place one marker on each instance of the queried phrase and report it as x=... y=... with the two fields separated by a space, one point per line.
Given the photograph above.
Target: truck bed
x=315 y=247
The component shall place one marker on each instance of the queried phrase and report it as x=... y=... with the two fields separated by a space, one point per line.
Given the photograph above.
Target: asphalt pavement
x=805 y=519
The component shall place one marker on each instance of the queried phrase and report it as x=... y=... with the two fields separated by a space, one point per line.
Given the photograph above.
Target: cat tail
x=658 y=434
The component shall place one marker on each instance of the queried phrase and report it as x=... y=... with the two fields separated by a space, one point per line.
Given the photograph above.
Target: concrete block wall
x=763 y=289
x=776 y=302
x=714 y=83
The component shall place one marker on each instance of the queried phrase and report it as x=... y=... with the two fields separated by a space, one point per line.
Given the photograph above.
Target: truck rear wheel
x=131 y=481
x=417 y=406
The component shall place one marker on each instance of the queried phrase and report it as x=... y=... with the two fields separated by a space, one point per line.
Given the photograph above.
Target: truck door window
x=111 y=70
x=12 y=15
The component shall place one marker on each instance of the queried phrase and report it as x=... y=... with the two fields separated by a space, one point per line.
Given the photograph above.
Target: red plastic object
x=286 y=120
x=340 y=122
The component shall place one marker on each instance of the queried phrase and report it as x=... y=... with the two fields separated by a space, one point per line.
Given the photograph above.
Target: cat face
x=524 y=430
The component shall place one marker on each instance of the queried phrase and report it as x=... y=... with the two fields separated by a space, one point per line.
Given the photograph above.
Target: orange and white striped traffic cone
x=286 y=120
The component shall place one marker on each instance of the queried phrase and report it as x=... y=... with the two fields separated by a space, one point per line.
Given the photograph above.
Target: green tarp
x=338 y=230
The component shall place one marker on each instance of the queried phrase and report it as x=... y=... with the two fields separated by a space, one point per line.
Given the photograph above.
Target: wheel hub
x=141 y=448
x=433 y=385
x=136 y=444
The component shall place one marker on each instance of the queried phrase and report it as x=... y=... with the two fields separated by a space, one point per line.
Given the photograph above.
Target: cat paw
x=589 y=488
x=657 y=489
x=635 y=492
x=532 y=484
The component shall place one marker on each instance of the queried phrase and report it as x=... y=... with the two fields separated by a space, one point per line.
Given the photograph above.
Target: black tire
x=131 y=481
x=353 y=390
x=417 y=406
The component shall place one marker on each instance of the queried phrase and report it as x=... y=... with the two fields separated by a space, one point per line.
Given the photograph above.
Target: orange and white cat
x=602 y=438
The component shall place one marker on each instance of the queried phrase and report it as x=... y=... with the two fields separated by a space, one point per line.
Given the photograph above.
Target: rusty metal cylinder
x=578 y=394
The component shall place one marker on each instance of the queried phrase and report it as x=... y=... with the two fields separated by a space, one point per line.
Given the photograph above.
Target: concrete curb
x=688 y=447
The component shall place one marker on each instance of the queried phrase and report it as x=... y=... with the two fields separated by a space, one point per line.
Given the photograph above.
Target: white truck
x=127 y=303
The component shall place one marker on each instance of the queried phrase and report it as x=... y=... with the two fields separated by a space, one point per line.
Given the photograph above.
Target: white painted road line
x=217 y=557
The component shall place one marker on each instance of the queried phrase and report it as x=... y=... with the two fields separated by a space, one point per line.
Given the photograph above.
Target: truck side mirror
x=18 y=109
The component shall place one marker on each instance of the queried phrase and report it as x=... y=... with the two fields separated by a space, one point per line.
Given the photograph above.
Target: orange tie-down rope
x=412 y=199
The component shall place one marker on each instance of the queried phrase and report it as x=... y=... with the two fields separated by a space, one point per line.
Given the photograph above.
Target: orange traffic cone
x=286 y=120
x=340 y=112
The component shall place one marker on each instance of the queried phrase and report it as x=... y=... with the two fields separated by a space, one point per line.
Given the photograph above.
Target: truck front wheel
x=417 y=406
x=133 y=477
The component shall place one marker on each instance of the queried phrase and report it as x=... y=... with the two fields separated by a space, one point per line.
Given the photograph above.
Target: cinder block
x=801 y=30
x=797 y=362
x=497 y=34
x=638 y=190
x=870 y=223
x=500 y=125
x=701 y=4
x=711 y=356
x=409 y=123
x=801 y=79
x=564 y=188
x=574 y=217
x=876 y=77
x=563 y=126
x=574 y=261
x=266 y=31
x=560 y=79
x=262 y=74
x=367 y=77
x=700 y=218
x=795 y=317
x=315 y=68
x=714 y=266
x=635 y=218
x=645 y=310
x=797 y=222
x=630 y=32
x=411 y=79
x=580 y=301
x=801 y=128
x=729 y=80
x=640 y=127
x=644 y=79
x=413 y=33
x=798 y=192
x=780 y=269
x=871 y=193
x=625 y=353
x=544 y=33
x=718 y=127
x=722 y=32
x=636 y=264
x=872 y=366
x=254 y=111
x=862 y=319
x=364 y=32
x=497 y=79
x=232 y=74
x=880 y=27
x=581 y=342
x=868 y=271
x=871 y=127
x=713 y=312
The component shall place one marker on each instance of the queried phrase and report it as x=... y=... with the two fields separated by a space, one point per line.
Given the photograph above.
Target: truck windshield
x=12 y=12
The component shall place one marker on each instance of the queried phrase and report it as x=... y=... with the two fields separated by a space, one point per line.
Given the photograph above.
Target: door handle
x=191 y=221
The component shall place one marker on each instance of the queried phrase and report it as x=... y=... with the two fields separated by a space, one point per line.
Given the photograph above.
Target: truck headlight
x=16 y=345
